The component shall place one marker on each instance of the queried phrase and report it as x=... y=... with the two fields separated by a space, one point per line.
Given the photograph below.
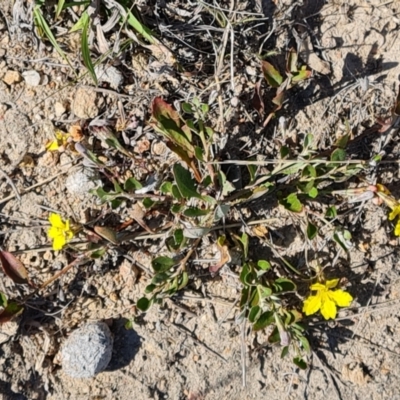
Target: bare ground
x=191 y=348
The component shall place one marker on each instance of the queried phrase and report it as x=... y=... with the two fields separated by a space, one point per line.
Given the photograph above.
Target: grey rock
x=87 y=351
x=32 y=77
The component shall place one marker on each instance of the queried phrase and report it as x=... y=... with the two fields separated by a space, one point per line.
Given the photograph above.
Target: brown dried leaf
x=13 y=268
x=258 y=102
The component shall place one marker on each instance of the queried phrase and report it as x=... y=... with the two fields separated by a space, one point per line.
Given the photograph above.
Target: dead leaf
x=138 y=214
x=225 y=256
x=258 y=102
x=13 y=268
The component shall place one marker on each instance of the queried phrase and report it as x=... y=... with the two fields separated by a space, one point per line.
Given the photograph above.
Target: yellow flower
x=326 y=299
x=395 y=213
x=59 y=231
x=60 y=140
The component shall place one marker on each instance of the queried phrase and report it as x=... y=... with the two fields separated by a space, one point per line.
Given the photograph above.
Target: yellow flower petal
x=317 y=286
x=340 y=297
x=312 y=304
x=58 y=242
x=332 y=283
x=56 y=221
x=397 y=228
x=394 y=213
x=52 y=146
x=328 y=308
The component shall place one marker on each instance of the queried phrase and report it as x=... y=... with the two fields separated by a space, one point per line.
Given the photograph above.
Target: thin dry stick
x=33 y=186
x=243 y=351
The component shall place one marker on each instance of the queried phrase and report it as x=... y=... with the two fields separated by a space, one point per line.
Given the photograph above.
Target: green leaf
x=3 y=301
x=312 y=231
x=265 y=292
x=284 y=151
x=41 y=23
x=313 y=193
x=185 y=183
x=275 y=336
x=209 y=132
x=85 y=48
x=305 y=343
x=193 y=212
x=302 y=75
x=132 y=184
x=205 y=108
x=166 y=188
x=140 y=28
x=160 y=278
x=284 y=285
x=244 y=272
x=148 y=203
x=187 y=108
x=309 y=171
x=244 y=240
x=265 y=319
x=150 y=288
x=183 y=281
x=285 y=351
x=331 y=212
x=60 y=6
x=338 y=155
x=300 y=363
x=264 y=265
x=162 y=264
x=176 y=193
x=12 y=310
x=143 y=304
x=271 y=74
x=199 y=153
x=292 y=203
x=255 y=312
x=176 y=208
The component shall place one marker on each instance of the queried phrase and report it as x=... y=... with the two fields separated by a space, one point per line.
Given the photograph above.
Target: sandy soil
x=190 y=348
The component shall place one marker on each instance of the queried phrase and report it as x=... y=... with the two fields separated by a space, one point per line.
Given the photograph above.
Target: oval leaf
x=271 y=74
x=143 y=304
x=266 y=318
x=185 y=182
x=13 y=268
x=12 y=310
x=162 y=264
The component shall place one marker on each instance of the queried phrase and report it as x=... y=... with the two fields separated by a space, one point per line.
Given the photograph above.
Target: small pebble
x=12 y=77
x=32 y=77
x=59 y=109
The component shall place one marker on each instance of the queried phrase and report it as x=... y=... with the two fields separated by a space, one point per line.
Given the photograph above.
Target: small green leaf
x=209 y=132
x=162 y=264
x=244 y=239
x=199 y=153
x=338 y=155
x=185 y=182
x=143 y=304
x=166 y=188
x=284 y=285
x=265 y=319
x=176 y=193
x=150 y=288
x=244 y=272
x=312 y=231
x=148 y=203
x=12 y=310
x=132 y=184
x=285 y=351
x=160 y=278
x=183 y=281
x=3 y=300
x=176 y=208
x=98 y=253
x=271 y=74
x=305 y=343
x=205 y=108
x=292 y=203
x=187 y=108
x=284 y=151
x=313 y=193
x=264 y=265
x=85 y=48
x=255 y=312
x=265 y=292
x=300 y=363
x=331 y=212
x=193 y=212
